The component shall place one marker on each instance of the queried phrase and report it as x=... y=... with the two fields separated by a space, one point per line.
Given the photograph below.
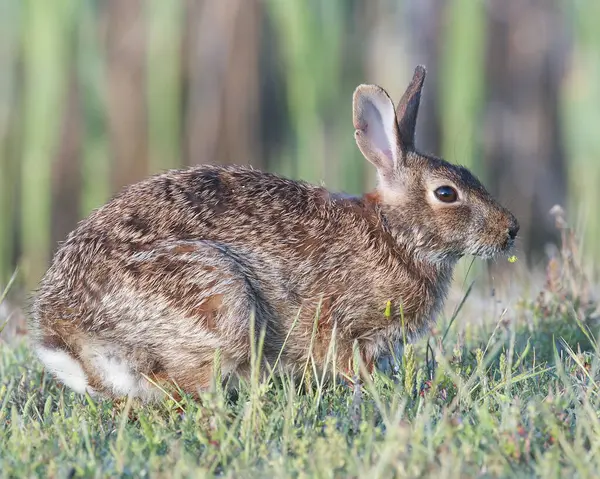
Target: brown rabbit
x=152 y=284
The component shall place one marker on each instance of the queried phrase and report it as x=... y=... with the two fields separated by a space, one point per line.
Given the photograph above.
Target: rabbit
x=146 y=289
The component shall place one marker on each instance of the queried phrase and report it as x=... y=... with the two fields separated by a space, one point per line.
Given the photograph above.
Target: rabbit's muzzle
x=512 y=231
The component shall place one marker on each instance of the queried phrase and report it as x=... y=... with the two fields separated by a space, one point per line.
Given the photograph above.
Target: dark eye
x=446 y=194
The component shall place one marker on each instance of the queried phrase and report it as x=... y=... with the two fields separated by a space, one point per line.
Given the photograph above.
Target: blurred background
x=97 y=94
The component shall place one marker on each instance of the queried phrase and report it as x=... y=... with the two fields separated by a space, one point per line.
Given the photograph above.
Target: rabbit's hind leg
x=100 y=368
x=187 y=302
x=57 y=344
x=66 y=368
x=118 y=371
x=159 y=319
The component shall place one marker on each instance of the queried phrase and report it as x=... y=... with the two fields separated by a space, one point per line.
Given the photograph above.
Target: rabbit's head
x=441 y=209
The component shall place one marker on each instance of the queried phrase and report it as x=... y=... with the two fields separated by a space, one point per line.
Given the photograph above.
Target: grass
x=515 y=397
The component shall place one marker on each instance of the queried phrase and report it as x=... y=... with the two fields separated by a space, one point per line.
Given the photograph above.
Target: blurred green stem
x=462 y=81
x=9 y=26
x=45 y=39
x=310 y=39
x=165 y=20
x=96 y=152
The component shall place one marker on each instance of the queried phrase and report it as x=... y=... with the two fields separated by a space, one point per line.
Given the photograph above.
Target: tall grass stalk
x=462 y=87
x=165 y=33
x=46 y=36
x=310 y=40
x=91 y=63
x=10 y=24
x=581 y=117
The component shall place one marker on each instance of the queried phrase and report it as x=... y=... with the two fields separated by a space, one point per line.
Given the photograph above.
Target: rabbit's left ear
x=376 y=127
x=408 y=109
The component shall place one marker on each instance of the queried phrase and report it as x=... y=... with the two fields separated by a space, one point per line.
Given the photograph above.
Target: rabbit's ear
x=408 y=109
x=376 y=128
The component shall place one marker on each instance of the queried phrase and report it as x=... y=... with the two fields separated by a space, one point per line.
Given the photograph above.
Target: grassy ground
x=514 y=397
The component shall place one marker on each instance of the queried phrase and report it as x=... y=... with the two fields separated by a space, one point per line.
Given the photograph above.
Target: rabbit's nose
x=513 y=229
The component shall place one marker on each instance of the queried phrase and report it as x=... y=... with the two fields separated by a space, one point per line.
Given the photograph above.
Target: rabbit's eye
x=446 y=194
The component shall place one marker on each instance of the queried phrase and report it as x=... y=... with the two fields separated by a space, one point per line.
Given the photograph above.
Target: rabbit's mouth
x=509 y=245
x=490 y=251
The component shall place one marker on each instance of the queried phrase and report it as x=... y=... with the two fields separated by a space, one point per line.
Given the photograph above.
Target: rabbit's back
x=291 y=237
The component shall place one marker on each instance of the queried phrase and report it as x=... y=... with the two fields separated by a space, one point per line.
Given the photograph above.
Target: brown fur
x=175 y=266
